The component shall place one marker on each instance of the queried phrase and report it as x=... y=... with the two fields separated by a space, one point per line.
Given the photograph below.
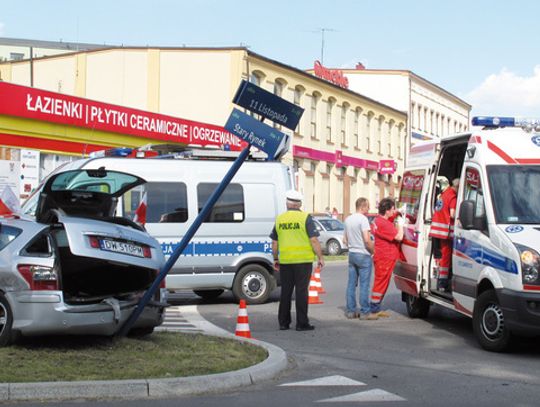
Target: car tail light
x=94 y=242
x=39 y=277
x=147 y=252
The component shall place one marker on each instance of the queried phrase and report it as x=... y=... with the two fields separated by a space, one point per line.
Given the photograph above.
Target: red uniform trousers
x=445 y=262
x=383 y=272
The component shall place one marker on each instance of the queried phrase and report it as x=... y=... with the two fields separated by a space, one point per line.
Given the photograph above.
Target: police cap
x=294 y=196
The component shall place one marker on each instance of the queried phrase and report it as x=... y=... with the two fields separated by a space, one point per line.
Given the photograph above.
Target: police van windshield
x=515 y=193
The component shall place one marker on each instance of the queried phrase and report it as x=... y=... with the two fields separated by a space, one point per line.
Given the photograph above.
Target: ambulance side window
x=473 y=191
x=230 y=207
x=411 y=189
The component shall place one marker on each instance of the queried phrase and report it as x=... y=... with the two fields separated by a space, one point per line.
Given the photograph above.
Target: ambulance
x=495 y=273
x=232 y=249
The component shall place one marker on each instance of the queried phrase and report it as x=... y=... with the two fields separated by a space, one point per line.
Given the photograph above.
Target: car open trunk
x=87 y=280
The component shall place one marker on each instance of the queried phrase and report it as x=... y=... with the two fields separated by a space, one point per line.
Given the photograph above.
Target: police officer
x=294 y=247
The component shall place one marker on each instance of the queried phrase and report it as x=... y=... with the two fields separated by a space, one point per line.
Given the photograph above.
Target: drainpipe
x=31 y=67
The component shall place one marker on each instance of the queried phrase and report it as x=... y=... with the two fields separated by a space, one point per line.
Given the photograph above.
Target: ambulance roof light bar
x=495 y=122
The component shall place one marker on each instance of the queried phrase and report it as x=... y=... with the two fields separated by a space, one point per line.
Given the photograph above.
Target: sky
x=485 y=52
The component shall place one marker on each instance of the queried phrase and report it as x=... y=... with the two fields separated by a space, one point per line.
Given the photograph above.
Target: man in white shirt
x=358 y=239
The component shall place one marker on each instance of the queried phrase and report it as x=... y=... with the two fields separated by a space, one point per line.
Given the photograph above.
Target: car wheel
x=253 y=283
x=6 y=321
x=488 y=323
x=417 y=307
x=333 y=247
x=208 y=294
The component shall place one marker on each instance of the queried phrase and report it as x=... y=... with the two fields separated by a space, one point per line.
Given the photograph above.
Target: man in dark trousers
x=294 y=247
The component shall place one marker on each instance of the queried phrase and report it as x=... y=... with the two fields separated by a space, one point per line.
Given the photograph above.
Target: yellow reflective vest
x=293 y=240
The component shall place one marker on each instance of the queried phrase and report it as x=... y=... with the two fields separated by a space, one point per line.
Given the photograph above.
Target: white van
x=232 y=249
x=495 y=276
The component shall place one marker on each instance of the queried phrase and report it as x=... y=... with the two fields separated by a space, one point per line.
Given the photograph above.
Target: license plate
x=121 y=247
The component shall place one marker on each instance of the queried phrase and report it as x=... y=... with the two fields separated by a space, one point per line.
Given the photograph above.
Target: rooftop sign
x=331 y=75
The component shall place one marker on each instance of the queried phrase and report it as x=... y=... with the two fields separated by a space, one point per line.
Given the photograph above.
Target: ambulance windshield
x=515 y=193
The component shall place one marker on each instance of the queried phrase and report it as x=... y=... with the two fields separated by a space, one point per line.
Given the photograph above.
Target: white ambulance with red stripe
x=495 y=273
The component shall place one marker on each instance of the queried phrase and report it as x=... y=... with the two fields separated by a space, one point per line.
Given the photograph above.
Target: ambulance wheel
x=417 y=307
x=253 y=283
x=488 y=323
x=208 y=294
x=6 y=322
x=333 y=247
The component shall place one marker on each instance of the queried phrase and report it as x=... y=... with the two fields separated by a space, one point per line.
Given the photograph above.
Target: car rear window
x=8 y=235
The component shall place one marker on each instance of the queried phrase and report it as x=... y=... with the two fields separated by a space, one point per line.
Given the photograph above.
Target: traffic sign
x=268 y=105
x=256 y=133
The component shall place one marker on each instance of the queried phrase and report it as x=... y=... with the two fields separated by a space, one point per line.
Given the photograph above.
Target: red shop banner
x=37 y=104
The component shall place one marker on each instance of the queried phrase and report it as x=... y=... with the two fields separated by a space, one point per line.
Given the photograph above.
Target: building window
x=356 y=129
x=343 y=124
x=256 y=78
x=369 y=130
x=380 y=123
x=329 y=107
x=391 y=140
x=314 y=104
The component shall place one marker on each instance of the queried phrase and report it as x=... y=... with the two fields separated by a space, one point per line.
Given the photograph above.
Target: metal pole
x=184 y=242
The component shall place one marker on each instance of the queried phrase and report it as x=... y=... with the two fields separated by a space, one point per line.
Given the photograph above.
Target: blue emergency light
x=112 y=152
x=494 y=122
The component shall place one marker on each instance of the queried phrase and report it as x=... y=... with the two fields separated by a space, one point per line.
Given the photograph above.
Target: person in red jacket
x=442 y=232
x=387 y=239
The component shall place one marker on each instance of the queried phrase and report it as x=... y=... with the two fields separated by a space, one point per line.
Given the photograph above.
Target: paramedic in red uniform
x=387 y=238
x=442 y=229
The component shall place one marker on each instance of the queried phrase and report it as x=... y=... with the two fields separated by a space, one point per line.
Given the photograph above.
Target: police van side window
x=166 y=202
x=230 y=207
x=411 y=189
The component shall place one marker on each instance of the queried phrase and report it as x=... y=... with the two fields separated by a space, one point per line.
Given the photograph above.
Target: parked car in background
x=330 y=234
x=73 y=267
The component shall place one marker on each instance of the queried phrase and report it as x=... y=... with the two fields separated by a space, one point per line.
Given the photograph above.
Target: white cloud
x=507 y=94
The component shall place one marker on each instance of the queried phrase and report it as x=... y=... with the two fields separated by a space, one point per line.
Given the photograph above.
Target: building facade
x=346 y=145
x=433 y=112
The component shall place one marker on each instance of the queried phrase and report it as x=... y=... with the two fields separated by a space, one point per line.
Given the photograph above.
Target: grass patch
x=159 y=355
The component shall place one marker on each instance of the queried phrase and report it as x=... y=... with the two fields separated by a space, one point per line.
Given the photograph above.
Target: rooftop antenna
x=323 y=30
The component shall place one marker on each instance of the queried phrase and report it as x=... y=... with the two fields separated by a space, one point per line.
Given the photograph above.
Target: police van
x=232 y=249
x=495 y=273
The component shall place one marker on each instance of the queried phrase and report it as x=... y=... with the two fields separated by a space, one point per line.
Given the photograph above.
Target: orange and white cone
x=318 y=281
x=242 y=322
x=313 y=296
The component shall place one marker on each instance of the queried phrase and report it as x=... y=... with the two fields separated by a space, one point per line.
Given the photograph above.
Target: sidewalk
x=192 y=321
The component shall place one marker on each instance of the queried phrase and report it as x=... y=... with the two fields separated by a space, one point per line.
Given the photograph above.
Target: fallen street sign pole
x=184 y=242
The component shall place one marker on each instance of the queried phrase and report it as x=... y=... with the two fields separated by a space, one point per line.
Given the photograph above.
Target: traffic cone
x=318 y=281
x=313 y=296
x=242 y=322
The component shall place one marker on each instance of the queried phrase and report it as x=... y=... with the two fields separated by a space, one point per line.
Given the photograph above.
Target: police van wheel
x=488 y=323
x=333 y=247
x=6 y=322
x=417 y=307
x=208 y=294
x=253 y=284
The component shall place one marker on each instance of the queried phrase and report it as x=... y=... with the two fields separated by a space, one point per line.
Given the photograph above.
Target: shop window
x=230 y=207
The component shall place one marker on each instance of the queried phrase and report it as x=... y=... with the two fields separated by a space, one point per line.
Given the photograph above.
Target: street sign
x=256 y=133
x=268 y=105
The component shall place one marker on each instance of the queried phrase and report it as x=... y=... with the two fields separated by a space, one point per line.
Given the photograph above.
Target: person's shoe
x=372 y=317
x=307 y=327
x=442 y=285
x=351 y=315
x=363 y=317
x=383 y=314
x=283 y=327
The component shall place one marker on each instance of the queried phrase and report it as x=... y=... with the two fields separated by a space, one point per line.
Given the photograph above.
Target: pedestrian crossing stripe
x=327 y=381
x=365 y=396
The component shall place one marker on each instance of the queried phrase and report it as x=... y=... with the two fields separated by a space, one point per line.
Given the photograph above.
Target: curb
x=274 y=364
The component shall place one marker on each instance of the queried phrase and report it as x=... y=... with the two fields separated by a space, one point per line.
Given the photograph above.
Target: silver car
x=75 y=268
x=330 y=234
